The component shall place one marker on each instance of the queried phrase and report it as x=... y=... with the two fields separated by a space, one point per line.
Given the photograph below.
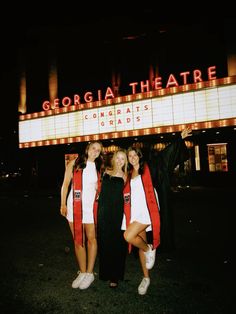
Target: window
x=217 y=157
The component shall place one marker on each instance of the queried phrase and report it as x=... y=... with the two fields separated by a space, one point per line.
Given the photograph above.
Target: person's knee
x=78 y=246
x=127 y=236
x=91 y=241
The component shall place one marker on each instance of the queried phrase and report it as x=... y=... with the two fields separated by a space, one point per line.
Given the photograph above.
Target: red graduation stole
x=77 y=204
x=152 y=205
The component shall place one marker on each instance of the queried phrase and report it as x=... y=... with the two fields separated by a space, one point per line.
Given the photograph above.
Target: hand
x=63 y=210
x=186 y=132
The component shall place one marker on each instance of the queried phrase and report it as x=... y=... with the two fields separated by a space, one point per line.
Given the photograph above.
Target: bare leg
x=142 y=257
x=80 y=252
x=134 y=235
x=91 y=246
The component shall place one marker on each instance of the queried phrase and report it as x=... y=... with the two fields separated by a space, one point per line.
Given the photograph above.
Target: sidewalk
x=37 y=267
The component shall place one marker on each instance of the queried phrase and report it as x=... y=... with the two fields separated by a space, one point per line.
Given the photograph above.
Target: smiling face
x=94 y=151
x=120 y=159
x=133 y=158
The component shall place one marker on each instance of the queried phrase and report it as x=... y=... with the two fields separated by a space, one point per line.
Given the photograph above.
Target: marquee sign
x=201 y=105
x=136 y=87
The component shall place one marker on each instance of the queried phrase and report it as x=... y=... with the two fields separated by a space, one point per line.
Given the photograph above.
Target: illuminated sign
x=143 y=87
x=201 y=105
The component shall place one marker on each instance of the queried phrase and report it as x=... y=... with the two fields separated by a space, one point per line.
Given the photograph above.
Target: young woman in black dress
x=112 y=248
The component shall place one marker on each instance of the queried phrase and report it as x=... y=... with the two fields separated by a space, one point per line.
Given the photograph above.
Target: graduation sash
x=77 y=204
x=152 y=205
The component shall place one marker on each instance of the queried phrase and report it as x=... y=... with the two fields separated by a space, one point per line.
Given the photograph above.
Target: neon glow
x=203 y=108
x=143 y=87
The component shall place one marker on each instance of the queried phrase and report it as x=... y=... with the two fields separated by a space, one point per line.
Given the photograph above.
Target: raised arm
x=186 y=132
x=176 y=152
x=163 y=163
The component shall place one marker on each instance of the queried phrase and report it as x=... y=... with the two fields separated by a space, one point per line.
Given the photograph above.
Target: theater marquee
x=200 y=105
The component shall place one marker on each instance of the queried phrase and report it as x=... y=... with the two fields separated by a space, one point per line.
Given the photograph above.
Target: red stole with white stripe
x=152 y=204
x=77 y=204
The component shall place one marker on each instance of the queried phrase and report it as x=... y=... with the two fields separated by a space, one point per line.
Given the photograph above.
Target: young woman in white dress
x=141 y=214
x=82 y=176
x=142 y=204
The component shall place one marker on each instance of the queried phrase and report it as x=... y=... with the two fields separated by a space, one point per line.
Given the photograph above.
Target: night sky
x=87 y=49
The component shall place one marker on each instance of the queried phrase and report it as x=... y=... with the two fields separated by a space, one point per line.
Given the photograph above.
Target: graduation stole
x=152 y=204
x=77 y=204
x=127 y=205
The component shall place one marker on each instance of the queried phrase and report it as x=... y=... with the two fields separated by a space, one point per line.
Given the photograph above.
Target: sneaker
x=78 y=280
x=87 y=280
x=150 y=257
x=142 y=288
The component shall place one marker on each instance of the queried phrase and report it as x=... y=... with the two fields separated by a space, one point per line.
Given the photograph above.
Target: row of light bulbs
x=157 y=146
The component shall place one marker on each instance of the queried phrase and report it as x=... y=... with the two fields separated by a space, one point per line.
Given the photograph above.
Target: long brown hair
x=141 y=159
x=80 y=162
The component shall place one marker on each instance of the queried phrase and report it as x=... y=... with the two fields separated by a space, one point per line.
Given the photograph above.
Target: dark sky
x=87 y=44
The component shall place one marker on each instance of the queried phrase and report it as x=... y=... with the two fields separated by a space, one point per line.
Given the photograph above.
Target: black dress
x=112 y=247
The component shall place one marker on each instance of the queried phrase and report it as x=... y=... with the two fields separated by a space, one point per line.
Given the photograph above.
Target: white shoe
x=87 y=280
x=78 y=280
x=150 y=257
x=142 y=288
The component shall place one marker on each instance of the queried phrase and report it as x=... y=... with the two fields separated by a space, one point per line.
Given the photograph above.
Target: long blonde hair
x=125 y=167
